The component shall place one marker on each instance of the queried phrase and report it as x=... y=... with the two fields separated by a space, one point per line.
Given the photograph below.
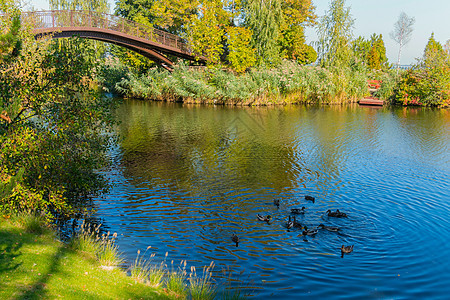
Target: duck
x=298 y=210
x=346 y=249
x=235 y=239
x=289 y=223
x=336 y=214
x=310 y=198
x=307 y=231
x=329 y=228
x=264 y=218
x=296 y=224
x=276 y=202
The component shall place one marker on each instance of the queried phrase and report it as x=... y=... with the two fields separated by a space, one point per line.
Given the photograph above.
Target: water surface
x=187 y=177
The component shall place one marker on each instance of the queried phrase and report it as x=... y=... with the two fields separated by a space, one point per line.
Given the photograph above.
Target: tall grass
x=102 y=248
x=288 y=83
x=31 y=222
x=202 y=287
x=176 y=279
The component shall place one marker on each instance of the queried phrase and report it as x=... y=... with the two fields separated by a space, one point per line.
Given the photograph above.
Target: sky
x=379 y=16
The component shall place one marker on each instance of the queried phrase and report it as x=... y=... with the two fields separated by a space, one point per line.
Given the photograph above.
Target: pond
x=187 y=177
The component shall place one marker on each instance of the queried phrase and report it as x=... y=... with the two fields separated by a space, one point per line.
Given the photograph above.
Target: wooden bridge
x=150 y=42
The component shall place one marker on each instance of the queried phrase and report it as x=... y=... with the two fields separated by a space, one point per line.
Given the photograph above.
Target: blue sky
x=379 y=16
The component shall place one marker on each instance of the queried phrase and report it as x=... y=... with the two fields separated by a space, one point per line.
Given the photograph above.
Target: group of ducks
x=293 y=223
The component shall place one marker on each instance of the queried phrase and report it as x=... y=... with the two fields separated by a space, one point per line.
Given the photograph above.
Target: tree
x=264 y=18
x=173 y=16
x=371 y=53
x=403 y=29
x=52 y=131
x=296 y=15
x=447 y=47
x=428 y=82
x=241 y=56
x=377 y=59
x=361 y=48
x=10 y=25
x=335 y=35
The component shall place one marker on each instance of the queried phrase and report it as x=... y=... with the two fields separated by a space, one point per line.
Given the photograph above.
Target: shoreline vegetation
x=288 y=83
x=36 y=264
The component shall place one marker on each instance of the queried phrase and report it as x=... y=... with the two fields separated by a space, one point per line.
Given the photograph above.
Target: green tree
x=335 y=35
x=207 y=31
x=428 y=83
x=52 y=138
x=10 y=25
x=361 y=48
x=296 y=15
x=265 y=19
x=377 y=59
x=241 y=56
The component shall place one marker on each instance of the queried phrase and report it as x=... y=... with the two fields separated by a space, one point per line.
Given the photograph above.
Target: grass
x=34 y=264
x=38 y=266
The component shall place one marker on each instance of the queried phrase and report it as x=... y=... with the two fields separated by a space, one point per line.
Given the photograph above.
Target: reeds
x=288 y=83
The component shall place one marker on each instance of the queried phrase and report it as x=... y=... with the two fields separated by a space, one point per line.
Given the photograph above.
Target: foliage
x=371 y=53
x=403 y=29
x=428 y=83
x=207 y=31
x=389 y=81
x=170 y=15
x=110 y=71
x=297 y=14
x=335 y=35
x=377 y=59
x=264 y=19
x=51 y=132
x=241 y=56
x=287 y=83
x=10 y=43
x=218 y=29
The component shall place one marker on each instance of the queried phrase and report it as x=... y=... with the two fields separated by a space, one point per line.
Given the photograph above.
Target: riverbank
x=288 y=83
x=35 y=264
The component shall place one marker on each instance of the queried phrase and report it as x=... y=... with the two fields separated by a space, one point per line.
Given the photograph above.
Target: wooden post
x=53 y=19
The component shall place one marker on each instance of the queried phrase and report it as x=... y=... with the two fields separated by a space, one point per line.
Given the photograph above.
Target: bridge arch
x=152 y=43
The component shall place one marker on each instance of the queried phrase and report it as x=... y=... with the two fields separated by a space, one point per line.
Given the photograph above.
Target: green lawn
x=35 y=265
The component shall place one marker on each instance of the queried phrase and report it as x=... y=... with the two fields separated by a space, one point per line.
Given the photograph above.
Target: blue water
x=187 y=177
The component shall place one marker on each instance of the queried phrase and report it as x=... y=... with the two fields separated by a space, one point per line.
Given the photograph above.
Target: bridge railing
x=79 y=18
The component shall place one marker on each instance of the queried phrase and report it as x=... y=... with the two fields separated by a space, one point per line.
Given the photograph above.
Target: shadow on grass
x=9 y=251
x=12 y=244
